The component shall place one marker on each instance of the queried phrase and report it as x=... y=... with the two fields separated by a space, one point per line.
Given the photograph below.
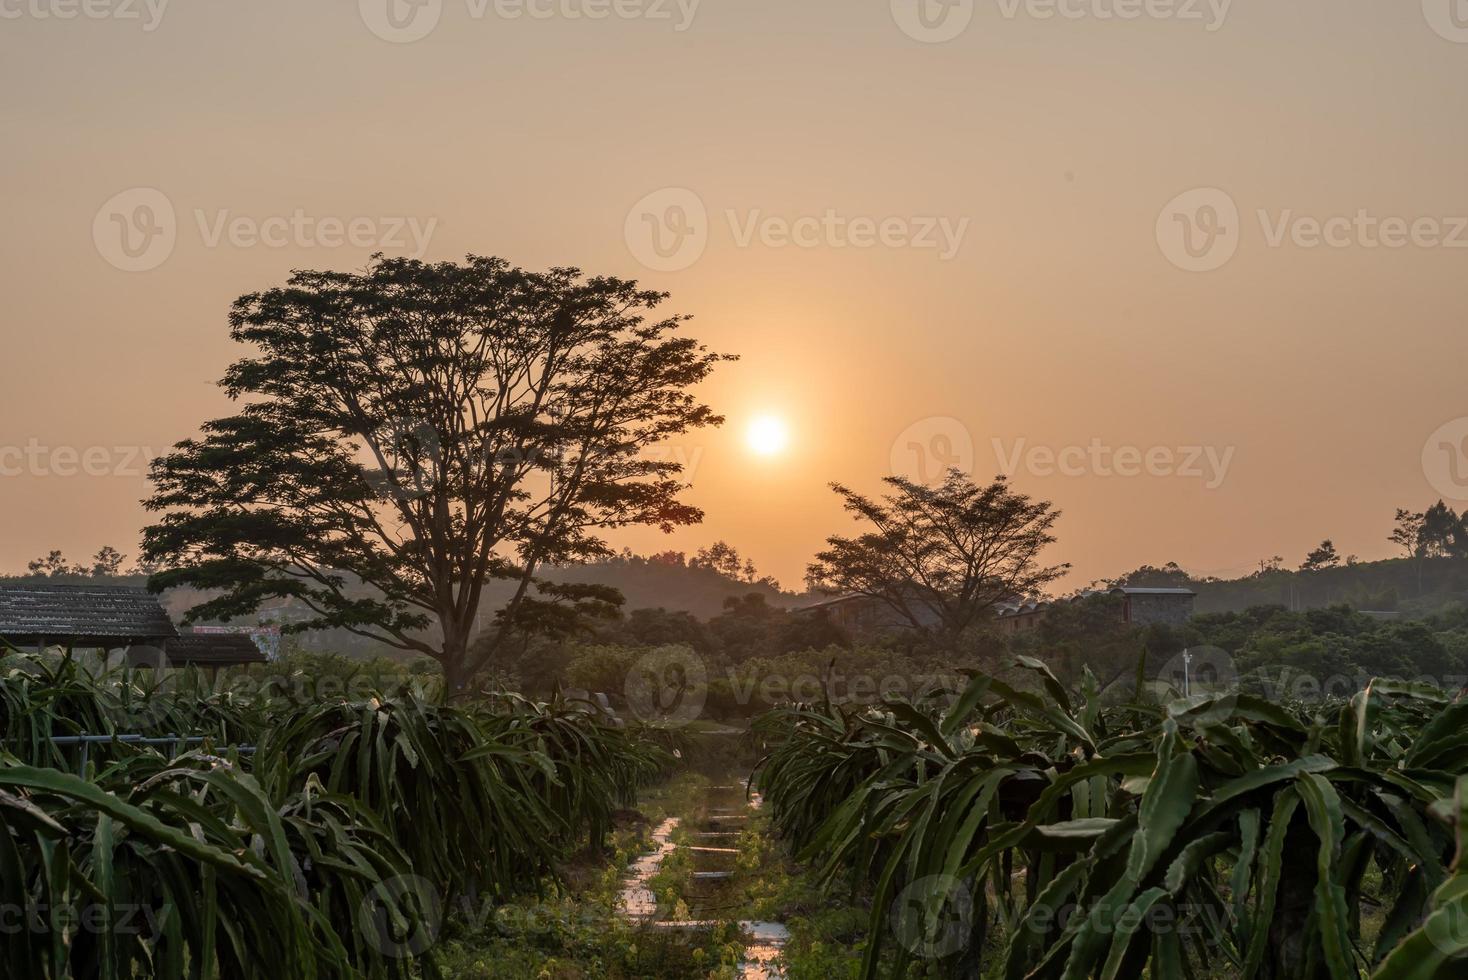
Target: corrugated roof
x=214 y=650
x=60 y=612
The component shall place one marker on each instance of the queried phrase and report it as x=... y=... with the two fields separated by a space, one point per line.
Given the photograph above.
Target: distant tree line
x=106 y=563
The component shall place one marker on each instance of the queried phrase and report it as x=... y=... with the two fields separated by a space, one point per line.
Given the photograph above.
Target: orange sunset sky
x=1223 y=250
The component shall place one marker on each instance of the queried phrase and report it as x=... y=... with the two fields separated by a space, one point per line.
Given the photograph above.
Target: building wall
x=1020 y=622
x=1172 y=610
x=861 y=613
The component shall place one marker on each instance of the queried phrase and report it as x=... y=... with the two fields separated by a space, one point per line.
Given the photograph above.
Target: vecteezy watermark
x=1284 y=684
x=1445 y=459
x=39 y=460
x=933 y=21
x=933 y=917
x=775 y=687
x=147 y=13
x=406 y=21
x=1448 y=18
x=1211 y=14
x=1206 y=463
x=406 y=460
x=936 y=21
x=137 y=230
x=667 y=686
x=402 y=916
x=927 y=450
x=1201 y=229
x=669 y=229
x=831 y=229
x=1447 y=929
x=69 y=918
x=1363 y=230
x=1206 y=680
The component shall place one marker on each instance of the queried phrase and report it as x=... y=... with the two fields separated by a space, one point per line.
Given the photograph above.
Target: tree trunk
x=1288 y=951
x=457 y=678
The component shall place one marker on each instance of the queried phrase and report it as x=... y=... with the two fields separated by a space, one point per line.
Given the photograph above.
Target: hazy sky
x=1043 y=234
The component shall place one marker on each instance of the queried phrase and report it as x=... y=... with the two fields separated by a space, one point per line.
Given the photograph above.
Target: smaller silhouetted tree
x=1322 y=557
x=1407 y=534
x=941 y=557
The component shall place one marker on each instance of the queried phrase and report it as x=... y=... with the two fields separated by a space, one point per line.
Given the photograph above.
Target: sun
x=767 y=435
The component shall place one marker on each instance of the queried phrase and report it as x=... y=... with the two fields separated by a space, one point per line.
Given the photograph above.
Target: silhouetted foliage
x=413 y=431
x=941 y=557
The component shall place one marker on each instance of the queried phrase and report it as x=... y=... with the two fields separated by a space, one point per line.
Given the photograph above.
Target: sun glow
x=767 y=435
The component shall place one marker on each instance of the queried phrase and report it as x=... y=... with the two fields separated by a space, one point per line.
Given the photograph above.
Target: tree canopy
x=941 y=557
x=411 y=431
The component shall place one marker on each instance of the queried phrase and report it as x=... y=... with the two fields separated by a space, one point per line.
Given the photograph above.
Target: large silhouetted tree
x=412 y=431
x=941 y=557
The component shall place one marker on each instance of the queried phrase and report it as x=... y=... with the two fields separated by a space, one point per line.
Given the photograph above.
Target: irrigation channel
x=709 y=837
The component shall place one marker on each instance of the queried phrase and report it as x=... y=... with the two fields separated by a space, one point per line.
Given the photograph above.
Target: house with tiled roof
x=108 y=618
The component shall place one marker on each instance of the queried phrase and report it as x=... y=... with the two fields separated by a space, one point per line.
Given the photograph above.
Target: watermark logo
x=406 y=21
x=136 y=230
x=1448 y=18
x=401 y=21
x=1445 y=459
x=668 y=230
x=407 y=460
x=937 y=21
x=1205 y=679
x=1208 y=464
x=1447 y=930
x=1199 y=231
x=933 y=917
x=1210 y=13
x=832 y=229
x=402 y=916
x=925 y=451
x=1362 y=230
x=667 y=686
x=149 y=13
x=301 y=230
x=40 y=460
x=933 y=21
x=92 y=918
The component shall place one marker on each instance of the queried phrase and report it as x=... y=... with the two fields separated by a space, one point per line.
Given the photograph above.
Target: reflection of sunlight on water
x=637 y=899
x=762 y=953
x=764 y=941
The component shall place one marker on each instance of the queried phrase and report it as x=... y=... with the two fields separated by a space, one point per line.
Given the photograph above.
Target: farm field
x=744 y=490
x=997 y=831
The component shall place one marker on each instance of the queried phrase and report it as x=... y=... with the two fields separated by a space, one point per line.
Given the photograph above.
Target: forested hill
x=663 y=582
x=1408 y=586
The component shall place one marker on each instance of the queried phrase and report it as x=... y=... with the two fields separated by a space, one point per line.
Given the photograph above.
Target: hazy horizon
x=1077 y=235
